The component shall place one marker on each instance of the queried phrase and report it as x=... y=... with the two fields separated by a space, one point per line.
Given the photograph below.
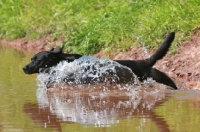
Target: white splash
x=86 y=70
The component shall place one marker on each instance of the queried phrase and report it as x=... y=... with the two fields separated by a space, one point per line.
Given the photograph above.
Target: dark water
x=26 y=108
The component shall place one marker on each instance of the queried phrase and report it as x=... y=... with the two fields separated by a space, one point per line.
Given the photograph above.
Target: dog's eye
x=37 y=61
x=33 y=59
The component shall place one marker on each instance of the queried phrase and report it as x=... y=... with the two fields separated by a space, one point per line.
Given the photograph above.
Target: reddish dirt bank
x=183 y=67
x=32 y=46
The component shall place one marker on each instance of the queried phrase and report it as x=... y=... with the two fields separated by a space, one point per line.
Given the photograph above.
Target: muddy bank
x=33 y=46
x=183 y=67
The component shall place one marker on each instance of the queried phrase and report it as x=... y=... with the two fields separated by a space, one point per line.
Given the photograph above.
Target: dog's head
x=41 y=60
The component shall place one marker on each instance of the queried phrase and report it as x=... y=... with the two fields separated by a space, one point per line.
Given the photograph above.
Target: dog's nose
x=24 y=68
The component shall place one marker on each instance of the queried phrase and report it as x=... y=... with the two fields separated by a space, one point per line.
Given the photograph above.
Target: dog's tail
x=162 y=50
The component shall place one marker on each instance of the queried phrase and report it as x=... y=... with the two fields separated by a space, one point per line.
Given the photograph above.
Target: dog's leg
x=161 y=77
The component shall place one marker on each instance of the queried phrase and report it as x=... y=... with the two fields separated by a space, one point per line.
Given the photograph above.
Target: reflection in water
x=93 y=109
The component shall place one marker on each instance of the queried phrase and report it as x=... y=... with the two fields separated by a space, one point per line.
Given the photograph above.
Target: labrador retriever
x=141 y=68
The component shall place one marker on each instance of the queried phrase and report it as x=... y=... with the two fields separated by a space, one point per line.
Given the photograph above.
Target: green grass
x=91 y=25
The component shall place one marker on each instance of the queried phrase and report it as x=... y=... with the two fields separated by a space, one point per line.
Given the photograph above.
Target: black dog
x=142 y=68
x=46 y=59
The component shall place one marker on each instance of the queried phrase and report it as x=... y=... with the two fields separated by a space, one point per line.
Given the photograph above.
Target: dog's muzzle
x=27 y=70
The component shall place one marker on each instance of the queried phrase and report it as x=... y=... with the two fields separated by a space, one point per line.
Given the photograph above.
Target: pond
x=24 y=106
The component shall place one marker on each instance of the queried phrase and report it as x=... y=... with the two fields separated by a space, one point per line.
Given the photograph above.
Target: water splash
x=142 y=43
x=87 y=70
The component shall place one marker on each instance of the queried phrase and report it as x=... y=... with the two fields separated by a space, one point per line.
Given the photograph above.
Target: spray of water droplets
x=87 y=70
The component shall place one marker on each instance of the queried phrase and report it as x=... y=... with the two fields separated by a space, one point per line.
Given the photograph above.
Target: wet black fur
x=142 y=68
x=46 y=59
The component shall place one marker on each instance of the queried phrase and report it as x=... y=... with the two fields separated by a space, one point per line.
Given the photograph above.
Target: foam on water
x=87 y=70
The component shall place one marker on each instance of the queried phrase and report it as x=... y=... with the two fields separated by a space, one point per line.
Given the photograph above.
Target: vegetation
x=88 y=26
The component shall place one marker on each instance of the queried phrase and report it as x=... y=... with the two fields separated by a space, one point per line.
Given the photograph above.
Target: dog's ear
x=58 y=51
x=52 y=49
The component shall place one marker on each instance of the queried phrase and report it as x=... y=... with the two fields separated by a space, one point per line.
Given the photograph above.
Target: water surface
x=26 y=107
